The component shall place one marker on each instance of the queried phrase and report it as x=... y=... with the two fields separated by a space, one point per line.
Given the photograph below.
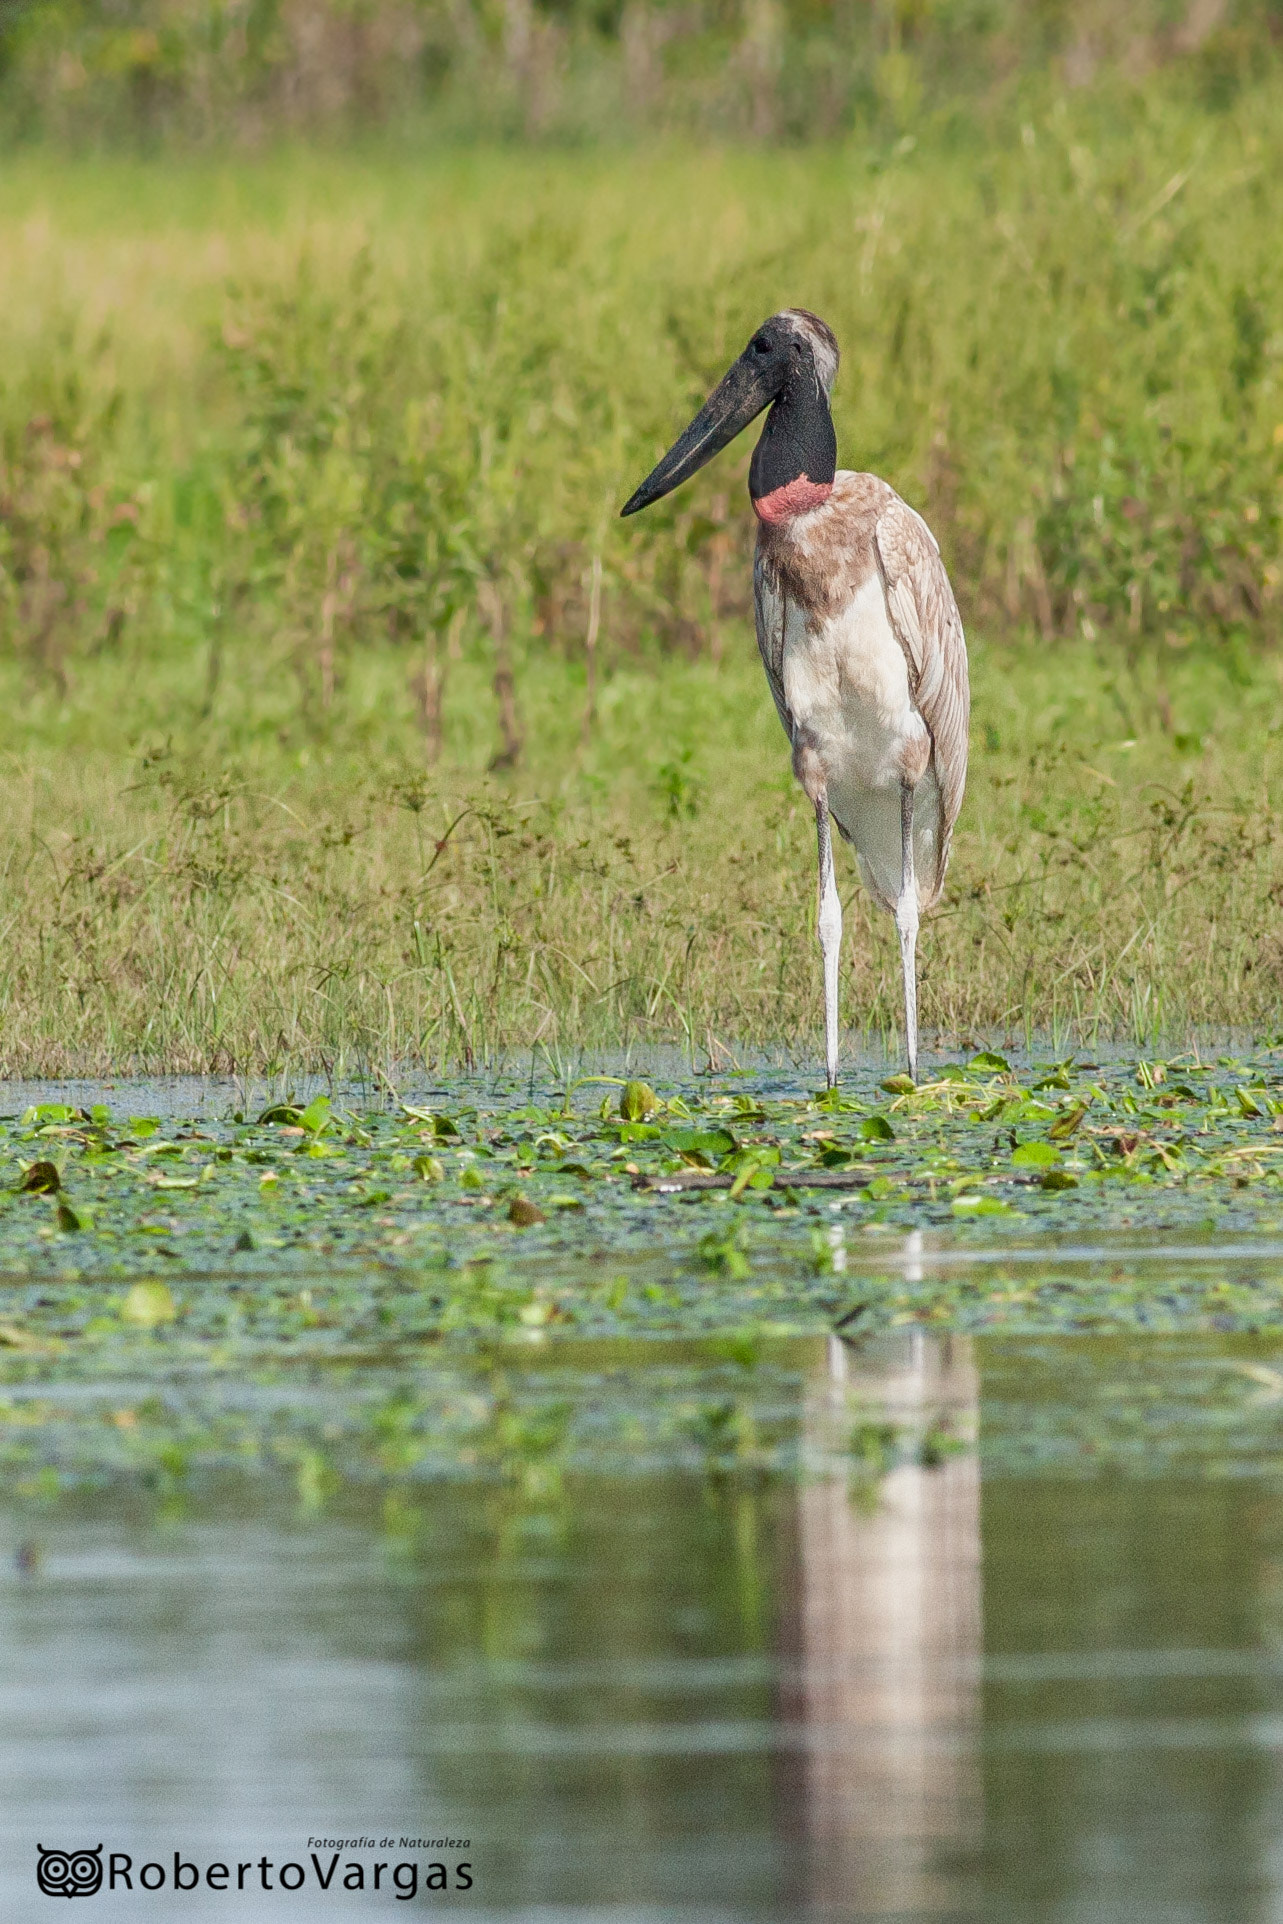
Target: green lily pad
x=1035 y=1155
x=972 y=1204
x=706 y=1142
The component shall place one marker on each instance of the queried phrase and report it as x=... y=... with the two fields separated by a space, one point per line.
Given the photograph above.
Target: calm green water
x=929 y=1629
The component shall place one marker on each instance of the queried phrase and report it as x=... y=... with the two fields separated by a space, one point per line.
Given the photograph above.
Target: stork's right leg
x=830 y=932
x=906 y=922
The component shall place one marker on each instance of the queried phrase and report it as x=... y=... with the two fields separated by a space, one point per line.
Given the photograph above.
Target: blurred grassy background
x=575 y=71
x=309 y=473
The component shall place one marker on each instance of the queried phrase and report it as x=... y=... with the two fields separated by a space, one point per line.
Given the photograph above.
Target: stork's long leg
x=906 y=922
x=830 y=932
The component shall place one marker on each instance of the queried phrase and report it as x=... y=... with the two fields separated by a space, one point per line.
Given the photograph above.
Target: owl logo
x=69 y=1873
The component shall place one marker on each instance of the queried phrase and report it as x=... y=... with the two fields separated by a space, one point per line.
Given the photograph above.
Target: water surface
x=926 y=1628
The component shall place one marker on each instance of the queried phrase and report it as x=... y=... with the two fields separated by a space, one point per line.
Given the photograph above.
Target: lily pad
x=706 y=1142
x=1035 y=1155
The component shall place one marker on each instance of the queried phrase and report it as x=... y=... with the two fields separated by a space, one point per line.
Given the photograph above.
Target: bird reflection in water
x=880 y=1642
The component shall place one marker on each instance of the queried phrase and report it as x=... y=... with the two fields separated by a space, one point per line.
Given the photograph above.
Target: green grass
x=241 y=892
x=301 y=458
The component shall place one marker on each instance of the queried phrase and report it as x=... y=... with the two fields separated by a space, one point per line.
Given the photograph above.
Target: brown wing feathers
x=928 y=627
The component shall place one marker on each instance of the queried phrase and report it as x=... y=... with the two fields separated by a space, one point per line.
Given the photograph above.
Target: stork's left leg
x=830 y=933
x=906 y=922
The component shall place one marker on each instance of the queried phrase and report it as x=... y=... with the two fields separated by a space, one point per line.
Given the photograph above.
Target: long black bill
x=737 y=399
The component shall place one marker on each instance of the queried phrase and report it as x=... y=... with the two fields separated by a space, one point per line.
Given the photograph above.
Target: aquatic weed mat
x=608 y=1204
x=466 y=1277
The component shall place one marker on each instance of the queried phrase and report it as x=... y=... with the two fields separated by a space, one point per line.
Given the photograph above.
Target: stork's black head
x=790 y=366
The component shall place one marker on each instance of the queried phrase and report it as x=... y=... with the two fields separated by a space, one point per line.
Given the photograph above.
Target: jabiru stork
x=859 y=634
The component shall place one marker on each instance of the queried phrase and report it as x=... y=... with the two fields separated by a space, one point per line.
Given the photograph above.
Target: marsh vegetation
x=344 y=723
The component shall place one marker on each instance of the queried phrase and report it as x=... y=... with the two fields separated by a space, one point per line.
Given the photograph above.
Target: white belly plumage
x=846 y=683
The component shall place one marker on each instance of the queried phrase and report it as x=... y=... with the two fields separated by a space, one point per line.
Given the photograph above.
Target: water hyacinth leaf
x=428 y=1168
x=140 y=1127
x=1067 y=1125
x=1058 y=1179
x=751 y=1175
x=287 y=1113
x=637 y=1100
x=885 y=1188
x=525 y=1214
x=441 y=1126
x=316 y=1116
x=705 y=1142
x=1248 y=1103
x=875 y=1129
x=69 y=1221
x=50 y=1112
x=761 y=1155
x=1035 y=1155
x=988 y=1060
x=900 y=1085
x=833 y=1099
x=971 y=1204
x=148 y=1304
x=41 y=1179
